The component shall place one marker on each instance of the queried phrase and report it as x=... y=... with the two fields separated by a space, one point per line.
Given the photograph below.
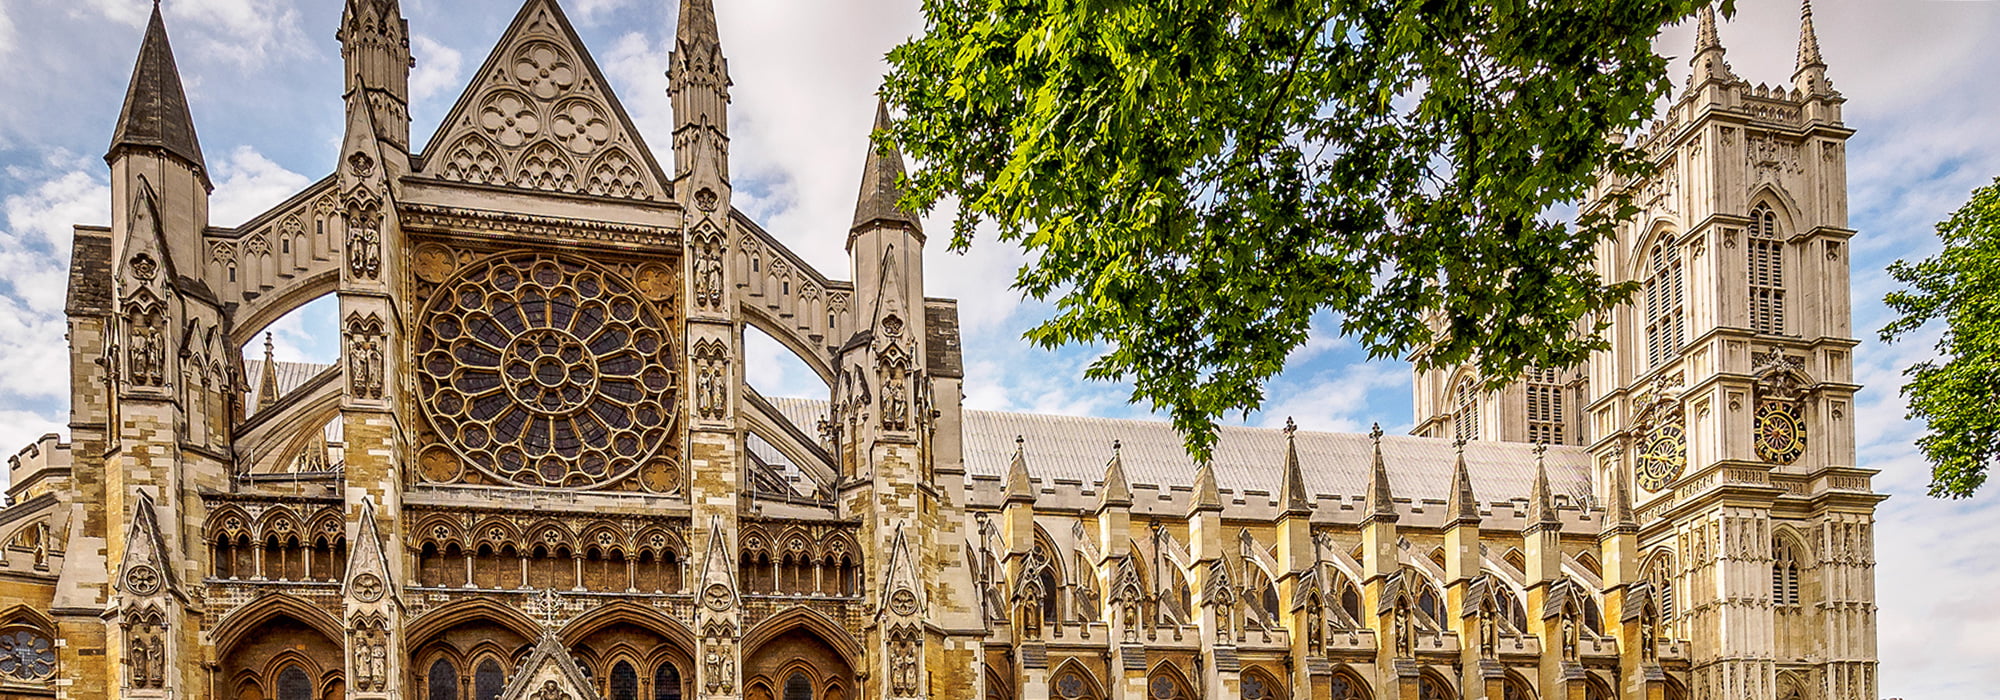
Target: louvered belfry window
x=1545 y=407
x=1665 y=319
x=1767 y=272
x=1465 y=421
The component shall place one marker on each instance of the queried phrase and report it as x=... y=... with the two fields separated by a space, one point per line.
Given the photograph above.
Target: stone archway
x=798 y=657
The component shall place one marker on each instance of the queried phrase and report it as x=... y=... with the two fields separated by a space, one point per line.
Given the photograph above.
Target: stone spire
x=267 y=380
x=1618 y=516
x=1710 y=64
x=698 y=83
x=881 y=176
x=1462 y=504
x=1810 y=75
x=155 y=114
x=1020 y=484
x=1117 y=490
x=1381 y=501
x=1541 y=504
x=1207 y=497
x=1292 y=495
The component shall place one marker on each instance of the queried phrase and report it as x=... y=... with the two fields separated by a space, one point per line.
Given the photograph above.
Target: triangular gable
x=549 y=673
x=147 y=568
x=368 y=562
x=540 y=116
x=901 y=594
x=718 y=571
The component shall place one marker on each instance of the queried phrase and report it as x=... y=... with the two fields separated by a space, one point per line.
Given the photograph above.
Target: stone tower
x=1726 y=397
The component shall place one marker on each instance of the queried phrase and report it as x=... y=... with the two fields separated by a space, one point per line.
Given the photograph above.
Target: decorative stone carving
x=711 y=382
x=905 y=649
x=894 y=368
x=146 y=649
x=365 y=364
x=718 y=660
x=369 y=636
x=707 y=247
x=364 y=236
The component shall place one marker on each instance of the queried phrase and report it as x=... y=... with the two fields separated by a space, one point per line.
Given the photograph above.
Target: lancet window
x=1465 y=418
x=1767 y=272
x=1784 y=574
x=1546 y=412
x=1665 y=317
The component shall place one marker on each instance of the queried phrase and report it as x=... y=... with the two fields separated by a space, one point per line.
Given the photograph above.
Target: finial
x=550 y=600
x=1020 y=442
x=1541 y=448
x=1116 y=445
x=1291 y=427
x=1458 y=443
x=1376 y=433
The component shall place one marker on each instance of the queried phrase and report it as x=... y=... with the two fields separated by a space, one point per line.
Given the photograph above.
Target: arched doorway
x=279 y=649
x=798 y=655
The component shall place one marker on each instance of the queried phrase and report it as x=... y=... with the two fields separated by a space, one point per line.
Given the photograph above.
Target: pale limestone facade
x=537 y=470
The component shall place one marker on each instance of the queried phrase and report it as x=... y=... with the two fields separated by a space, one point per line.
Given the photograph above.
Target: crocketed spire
x=1541 y=503
x=1710 y=64
x=1810 y=76
x=1117 y=490
x=1020 y=484
x=155 y=114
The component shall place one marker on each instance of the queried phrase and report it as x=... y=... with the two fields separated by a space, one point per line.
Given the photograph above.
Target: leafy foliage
x=1196 y=179
x=1956 y=393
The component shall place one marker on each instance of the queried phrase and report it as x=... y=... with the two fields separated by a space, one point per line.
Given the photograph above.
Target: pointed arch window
x=488 y=681
x=624 y=682
x=1767 y=272
x=1465 y=417
x=1546 y=414
x=1662 y=582
x=667 y=682
x=1784 y=574
x=293 y=684
x=798 y=686
x=442 y=682
x=1665 y=317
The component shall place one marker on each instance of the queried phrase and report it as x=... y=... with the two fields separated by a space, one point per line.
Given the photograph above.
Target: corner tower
x=1727 y=395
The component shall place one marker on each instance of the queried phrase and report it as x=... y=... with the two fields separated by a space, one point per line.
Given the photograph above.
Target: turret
x=698 y=83
x=154 y=148
x=1712 y=81
x=375 y=48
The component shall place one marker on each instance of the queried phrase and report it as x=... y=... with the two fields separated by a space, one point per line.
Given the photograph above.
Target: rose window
x=26 y=655
x=541 y=371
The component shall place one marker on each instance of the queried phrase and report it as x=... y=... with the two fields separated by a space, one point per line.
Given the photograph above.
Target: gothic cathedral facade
x=537 y=469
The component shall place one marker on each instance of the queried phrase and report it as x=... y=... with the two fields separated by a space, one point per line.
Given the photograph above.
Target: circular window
x=26 y=655
x=542 y=371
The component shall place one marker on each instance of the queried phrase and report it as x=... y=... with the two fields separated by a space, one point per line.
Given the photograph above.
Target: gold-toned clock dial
x=1781 y=434
x=1661 y=457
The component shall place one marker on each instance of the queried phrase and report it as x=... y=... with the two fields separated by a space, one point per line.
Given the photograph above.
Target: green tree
x=1194 y=180
x=1957 y=393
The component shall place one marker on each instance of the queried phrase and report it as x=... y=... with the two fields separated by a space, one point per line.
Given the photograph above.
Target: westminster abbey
x=537 y=472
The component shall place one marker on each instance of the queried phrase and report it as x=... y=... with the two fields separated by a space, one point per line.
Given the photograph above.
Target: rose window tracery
x=26 y=655
x=543 y=371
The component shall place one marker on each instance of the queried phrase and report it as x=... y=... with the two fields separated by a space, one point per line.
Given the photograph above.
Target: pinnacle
x=267 y=380
x=1809 y=56
x=697 y=23
x=155 y=114
x=1020 y=484
x=1463 y=504
x=881 y=181
x=1207 y=497
x=1381 y=501
x=1541 y=505
x=1292 y=494
x=1705 y=37
x=1117 y=492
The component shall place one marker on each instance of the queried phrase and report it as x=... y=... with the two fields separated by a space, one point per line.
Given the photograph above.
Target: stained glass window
x=624 y=682
x=798 y=687
x=488 y=681
x=294 y=685
x=443 y=681
x=26 y=655
x=667 y=683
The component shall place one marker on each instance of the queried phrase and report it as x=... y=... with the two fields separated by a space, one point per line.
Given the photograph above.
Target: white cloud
x=437 y=68
x=590 y=12
x=244 y=31
x=1334 y=400
x=19 y=429
x=34 y=249
x=248 y=184
x=6 y=32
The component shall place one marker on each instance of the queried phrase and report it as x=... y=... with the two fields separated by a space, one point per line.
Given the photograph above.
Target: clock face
x=1662 y=457
x=1781 y=435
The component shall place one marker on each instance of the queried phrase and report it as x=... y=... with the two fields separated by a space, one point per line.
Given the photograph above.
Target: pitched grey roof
x=156 y=108
x=1075 y=449
x=90 y=272
x=291 y=375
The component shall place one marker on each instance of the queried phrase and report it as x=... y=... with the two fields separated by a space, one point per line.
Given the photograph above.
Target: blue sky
x=263 y=78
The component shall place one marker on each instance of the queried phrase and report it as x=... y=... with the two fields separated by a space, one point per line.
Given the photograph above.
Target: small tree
x=1957 y=395
x=1196 y=179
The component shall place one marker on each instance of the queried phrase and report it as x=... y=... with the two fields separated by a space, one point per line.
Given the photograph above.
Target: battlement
x=40 y=467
